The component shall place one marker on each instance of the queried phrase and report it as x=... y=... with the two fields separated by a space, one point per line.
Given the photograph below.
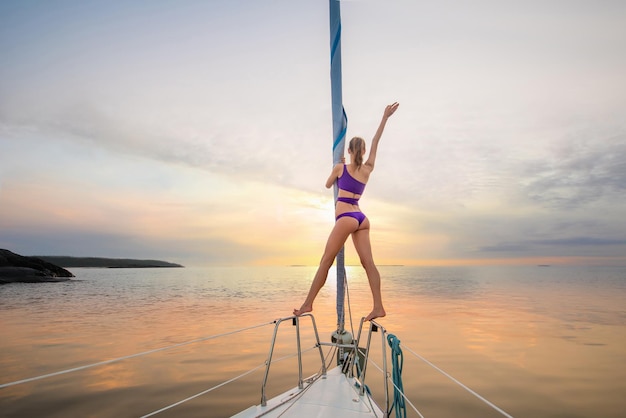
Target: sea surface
x=535 y=341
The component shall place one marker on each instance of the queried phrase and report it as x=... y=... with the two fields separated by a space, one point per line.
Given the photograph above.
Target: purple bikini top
x=350 y=184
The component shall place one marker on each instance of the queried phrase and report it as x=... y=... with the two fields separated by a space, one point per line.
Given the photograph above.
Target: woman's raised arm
x=389 y=110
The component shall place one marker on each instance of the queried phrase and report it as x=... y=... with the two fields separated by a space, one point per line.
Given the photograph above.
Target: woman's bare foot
x=376 y=313
x=303 y=309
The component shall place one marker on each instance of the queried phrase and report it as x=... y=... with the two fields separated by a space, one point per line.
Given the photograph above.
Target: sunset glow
x=210 y=142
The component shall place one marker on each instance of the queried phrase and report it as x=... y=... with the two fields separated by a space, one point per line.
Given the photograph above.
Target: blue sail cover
x=340 y=124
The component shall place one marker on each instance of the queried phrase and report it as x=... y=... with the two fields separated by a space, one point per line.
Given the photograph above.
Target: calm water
x=536 y=341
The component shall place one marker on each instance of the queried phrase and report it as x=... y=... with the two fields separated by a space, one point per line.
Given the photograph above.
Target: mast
x=340 y=123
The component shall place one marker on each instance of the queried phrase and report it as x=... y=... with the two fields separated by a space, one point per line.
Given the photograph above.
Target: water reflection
x=449 y=282
x=538 y=342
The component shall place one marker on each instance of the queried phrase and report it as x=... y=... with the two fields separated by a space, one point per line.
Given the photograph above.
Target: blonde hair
x=356 y=147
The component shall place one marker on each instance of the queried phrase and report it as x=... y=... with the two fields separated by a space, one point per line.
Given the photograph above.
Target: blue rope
x=397 y=361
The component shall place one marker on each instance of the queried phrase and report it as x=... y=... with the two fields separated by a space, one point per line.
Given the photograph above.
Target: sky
x=200 y=132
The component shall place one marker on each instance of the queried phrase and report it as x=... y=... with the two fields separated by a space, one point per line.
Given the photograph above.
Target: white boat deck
x=333 y=395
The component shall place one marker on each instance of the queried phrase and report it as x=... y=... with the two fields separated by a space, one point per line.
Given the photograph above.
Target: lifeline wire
x=394 y=385
x=204 y=392
x=102 y=363
x=222 y=384
x=460 y=384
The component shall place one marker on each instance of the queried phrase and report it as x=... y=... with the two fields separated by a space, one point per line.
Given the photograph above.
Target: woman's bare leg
x=338 y=236
x=361 y=239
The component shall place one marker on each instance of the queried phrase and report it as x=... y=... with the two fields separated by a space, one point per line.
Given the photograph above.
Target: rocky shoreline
x=15 y=268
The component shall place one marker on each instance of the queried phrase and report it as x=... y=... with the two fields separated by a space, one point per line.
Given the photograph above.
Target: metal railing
x=360 y=377
x=351 y=365
x=295 y=320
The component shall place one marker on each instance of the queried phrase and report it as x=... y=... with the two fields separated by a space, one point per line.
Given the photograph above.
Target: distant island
x=100 y=262
x=41 y=269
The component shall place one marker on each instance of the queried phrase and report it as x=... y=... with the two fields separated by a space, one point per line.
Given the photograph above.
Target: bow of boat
x=333 y=394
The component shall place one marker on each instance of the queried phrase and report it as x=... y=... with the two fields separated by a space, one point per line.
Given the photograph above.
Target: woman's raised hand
x=390 y=109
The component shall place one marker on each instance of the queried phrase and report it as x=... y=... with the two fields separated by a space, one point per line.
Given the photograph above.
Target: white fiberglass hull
x=333 y=395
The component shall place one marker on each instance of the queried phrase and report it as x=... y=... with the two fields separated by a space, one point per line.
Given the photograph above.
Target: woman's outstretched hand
x=390 y=109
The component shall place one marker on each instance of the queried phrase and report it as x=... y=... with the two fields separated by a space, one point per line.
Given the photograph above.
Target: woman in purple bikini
x=351 y=180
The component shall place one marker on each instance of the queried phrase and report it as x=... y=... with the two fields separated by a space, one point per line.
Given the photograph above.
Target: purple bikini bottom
x=359 y=216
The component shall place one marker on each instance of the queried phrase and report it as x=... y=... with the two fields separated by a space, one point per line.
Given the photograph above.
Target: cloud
x=530 y=246
x=585 y=247
x=581 y=241
x=579 y=173
x=247 y=148
x=223 y=89
x=510 y=131
x=97 y=243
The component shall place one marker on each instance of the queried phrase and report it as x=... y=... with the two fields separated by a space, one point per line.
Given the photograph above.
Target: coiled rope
x=397 y=361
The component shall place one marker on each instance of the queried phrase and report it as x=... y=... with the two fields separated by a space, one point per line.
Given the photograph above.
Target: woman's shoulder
x=358 y=173
x=367 y=167
x=337 y=170
x=365 y=171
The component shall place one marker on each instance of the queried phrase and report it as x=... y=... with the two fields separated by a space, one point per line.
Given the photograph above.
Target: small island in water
x=41 y=269
x=66 y=261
